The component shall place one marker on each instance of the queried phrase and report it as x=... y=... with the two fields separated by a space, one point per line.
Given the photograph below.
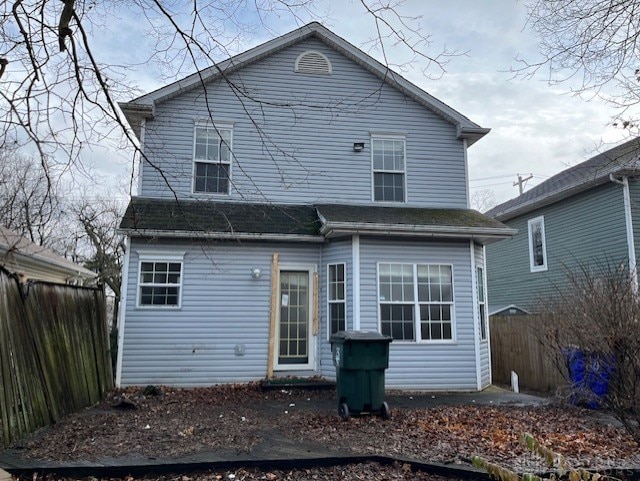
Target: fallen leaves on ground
x=236 y=419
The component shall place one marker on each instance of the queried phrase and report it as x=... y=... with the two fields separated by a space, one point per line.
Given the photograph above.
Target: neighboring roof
x=22 y=256
x=410 y=221
x=144 y=106
x=620 y=161
x=193 y=218
x=227 y=220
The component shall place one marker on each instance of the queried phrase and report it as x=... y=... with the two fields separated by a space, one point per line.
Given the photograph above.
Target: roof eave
x=135 y=112
x=484 y=235
x=183 y=234
x=32 y=260
x=471 y=134
x=558 y=196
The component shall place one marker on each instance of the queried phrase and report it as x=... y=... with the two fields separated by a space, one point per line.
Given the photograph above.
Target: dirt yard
x=239 y=419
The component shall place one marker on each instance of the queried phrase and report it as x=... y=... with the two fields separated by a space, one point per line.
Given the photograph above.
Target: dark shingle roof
x=414 y=216
x=621 y=160
x=189 y=216
x=343 y=220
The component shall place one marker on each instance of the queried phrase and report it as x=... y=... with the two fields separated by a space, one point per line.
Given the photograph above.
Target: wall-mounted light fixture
x=358 y=146
x=256 y=273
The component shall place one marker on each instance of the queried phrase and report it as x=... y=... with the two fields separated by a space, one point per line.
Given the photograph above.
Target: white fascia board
x=330 y=229
x=219 y=235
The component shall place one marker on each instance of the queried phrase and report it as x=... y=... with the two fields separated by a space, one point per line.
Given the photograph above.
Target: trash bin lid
x=359 y=336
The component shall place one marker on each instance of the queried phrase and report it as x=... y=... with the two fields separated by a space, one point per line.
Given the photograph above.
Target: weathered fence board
x=54 y=353
x=517 y=345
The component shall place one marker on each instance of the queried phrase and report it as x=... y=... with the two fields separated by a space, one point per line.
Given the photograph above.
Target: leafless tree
x=99 y=220
x=482 y=200
x=29 y=205
x=592 y=45
x=59 y=90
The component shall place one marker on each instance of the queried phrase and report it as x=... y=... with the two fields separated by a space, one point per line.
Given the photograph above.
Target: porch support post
x=355 y=254
x=273 y=314
x=122 y=307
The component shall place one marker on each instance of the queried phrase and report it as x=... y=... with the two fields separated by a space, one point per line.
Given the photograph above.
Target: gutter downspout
x=629 y=225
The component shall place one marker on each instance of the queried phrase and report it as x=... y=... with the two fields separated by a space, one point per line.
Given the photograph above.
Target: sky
x=536 y=129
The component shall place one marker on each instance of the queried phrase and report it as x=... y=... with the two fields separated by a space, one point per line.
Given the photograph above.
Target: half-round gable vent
x=313 y=62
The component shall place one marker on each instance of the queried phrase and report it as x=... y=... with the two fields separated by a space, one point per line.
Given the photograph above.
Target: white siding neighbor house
x=294 y=190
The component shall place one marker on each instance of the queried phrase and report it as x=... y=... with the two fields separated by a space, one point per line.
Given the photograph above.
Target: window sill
x=448 y=342
x=158 y=308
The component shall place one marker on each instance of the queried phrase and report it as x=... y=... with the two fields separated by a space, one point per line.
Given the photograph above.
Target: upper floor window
x=388 y=169
x=336 y=298
x=537 y=245
x=212 y=159
x=416 y=301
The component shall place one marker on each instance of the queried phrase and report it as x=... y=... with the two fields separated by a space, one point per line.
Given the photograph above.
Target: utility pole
x=520 y=183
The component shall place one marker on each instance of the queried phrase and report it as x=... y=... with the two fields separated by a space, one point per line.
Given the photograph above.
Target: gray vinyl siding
x=297 y=147
x=634 y=192
x=584 y=229
x=485 y=353
x=222 y=306
x=333 y=253
x=427 y=366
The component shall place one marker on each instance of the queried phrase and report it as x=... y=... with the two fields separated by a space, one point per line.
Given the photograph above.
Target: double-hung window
x=212 y=159
x=416 y=301
x=160 y=281
x=336 y=297
x=537 y=245
x=388 y=169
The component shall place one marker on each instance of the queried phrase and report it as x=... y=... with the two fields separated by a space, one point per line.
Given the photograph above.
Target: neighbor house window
x=482 y=308
x=416 y=301
x=160 y=282
x=537 y=245
x=336 y=297
x=212 y=159
x=388 y=169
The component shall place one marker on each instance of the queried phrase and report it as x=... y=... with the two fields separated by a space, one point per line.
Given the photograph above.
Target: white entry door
x=295 y=342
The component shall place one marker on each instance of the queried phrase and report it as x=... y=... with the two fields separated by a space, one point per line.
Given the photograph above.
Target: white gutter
x=330 y=229
x=629 y=227
x=180 y=234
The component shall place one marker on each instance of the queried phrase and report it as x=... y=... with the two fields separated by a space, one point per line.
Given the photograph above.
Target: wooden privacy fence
x=54 y=353
x=517 y=345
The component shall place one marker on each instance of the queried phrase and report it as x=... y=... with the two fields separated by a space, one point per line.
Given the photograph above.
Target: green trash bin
x=360 y=358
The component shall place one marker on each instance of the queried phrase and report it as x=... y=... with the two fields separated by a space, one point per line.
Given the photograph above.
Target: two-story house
x=298 y=189
x=587 y=216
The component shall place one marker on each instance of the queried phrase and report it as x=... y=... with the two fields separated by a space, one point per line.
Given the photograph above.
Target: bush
x=598 y=315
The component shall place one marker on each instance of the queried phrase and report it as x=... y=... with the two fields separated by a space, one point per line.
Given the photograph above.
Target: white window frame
x=173 y=257
x=217 y=127
x=374 y=171
x=335 y=301
x=416 y=303
x=482 y=303
x=310 y=269
x=530 y=227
